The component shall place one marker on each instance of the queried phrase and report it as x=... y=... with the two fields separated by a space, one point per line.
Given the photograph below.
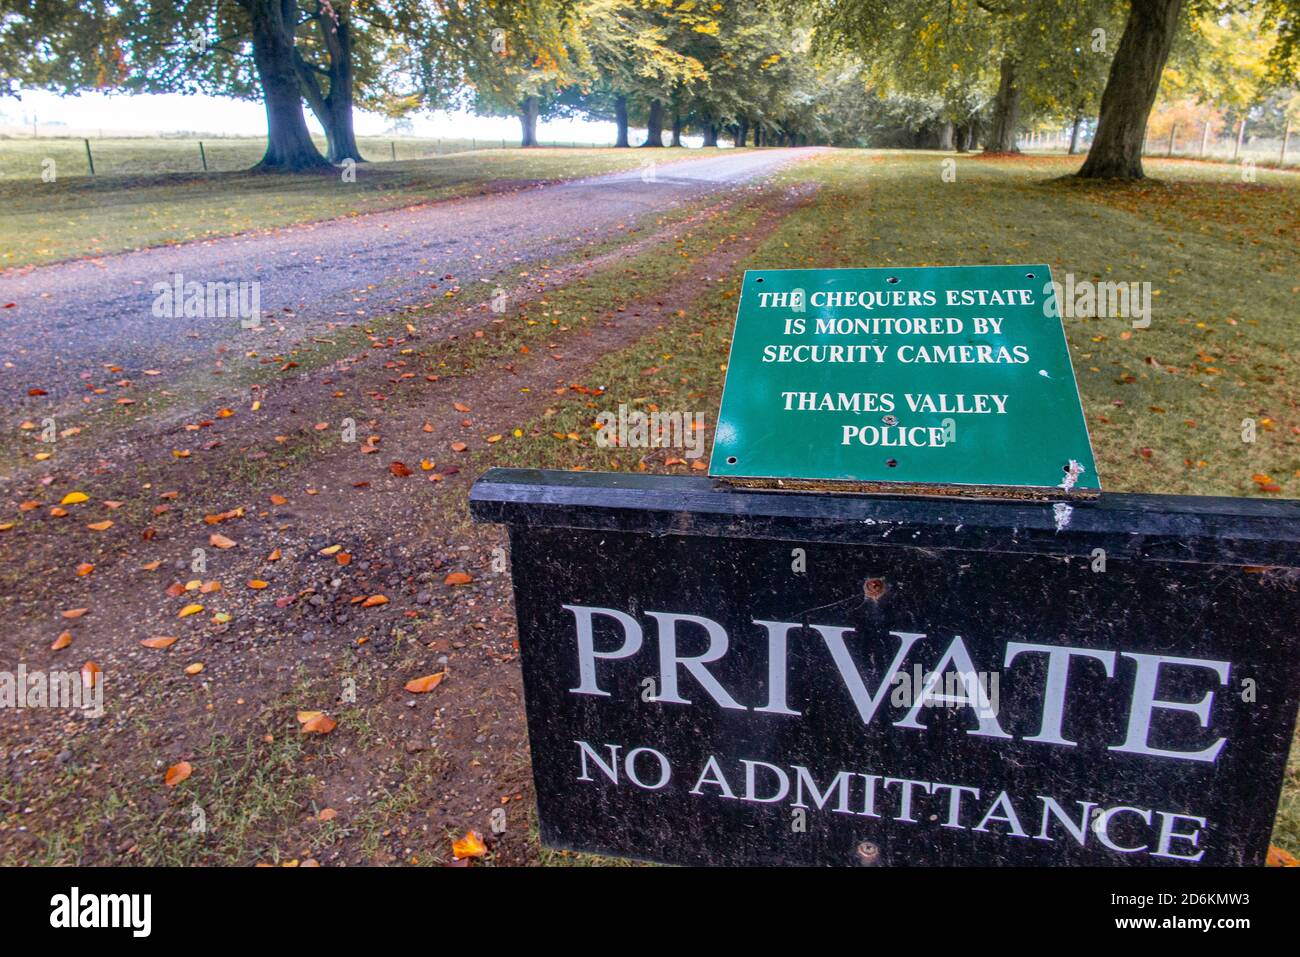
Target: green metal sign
x=945 y=379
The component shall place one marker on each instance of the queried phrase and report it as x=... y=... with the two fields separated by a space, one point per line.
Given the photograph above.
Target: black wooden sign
x=725 y=676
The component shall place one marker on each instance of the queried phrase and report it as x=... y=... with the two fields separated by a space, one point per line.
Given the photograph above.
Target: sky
x=87 y=114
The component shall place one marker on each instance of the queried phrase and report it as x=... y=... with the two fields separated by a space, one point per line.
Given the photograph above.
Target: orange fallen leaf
x=343 y=558
x=100 y=526
x=75 y=612
x=277 y=499
x=220 y=541
x=151 y=566
x=256 y=584
x=329 y=550
x=427 y=683
x=177 y=773
x=208 y=588
x=460 y=407
x=327 y=814
x=458 y=446
x=399 y=469
x=84 y=569
x=374 y=600
x=62 y=641
x=321 y=724
x=471 y=845
x=90 y=674
x=159 y=642
x=195 y=668
x=458 y=578
x=274 y=556
x=1280 y=858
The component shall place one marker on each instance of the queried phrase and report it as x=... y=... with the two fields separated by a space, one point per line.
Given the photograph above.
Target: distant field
x=22 y=158
x=87 y=216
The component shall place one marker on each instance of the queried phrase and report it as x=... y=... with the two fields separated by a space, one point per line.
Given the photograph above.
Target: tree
x=514 y=57
x=1131 y=90
x=1139 y=63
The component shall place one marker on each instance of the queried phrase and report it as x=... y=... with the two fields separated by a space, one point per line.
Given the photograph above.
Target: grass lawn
x=79 y=215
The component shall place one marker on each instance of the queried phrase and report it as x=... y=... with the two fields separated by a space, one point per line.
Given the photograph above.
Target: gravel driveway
x=71 y=321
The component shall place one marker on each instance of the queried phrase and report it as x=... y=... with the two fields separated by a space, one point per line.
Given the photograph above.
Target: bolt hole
x=759 y=279
x=731 y=460
x=892 y=279
x=892 y=463
x=1029 y=275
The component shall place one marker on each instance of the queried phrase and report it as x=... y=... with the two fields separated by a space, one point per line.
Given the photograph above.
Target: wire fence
x=1191 y=144
x=30 y=157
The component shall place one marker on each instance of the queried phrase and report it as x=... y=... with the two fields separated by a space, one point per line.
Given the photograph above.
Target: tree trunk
x=677 y=128
x=333 y=109
x=1131 y=89
x=528 y=121
x=654 y=132
x=742 y=132
x=945 y=135
x=1074 y=133
x=620 y=117
x=961 y=138
x=1006 y=111
x=710 y=133
x=288 y=144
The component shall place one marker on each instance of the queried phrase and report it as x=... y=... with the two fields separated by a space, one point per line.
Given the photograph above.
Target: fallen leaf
x=256 y=584
x=399 y=469
x=427 y=683
x=159 y=642
x=321 y=724
x=84 y=569
x=458 y=578
x=327 y=814
x=177 y=773
x=220 y=541
x=471 y=845
x=62 y=641
x=195 y=668
x=100 y=526
x=374 y=600
x=188 y=610
x=1280 y=858
x=89 y=674
x=75 y=612
x=74 y=498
